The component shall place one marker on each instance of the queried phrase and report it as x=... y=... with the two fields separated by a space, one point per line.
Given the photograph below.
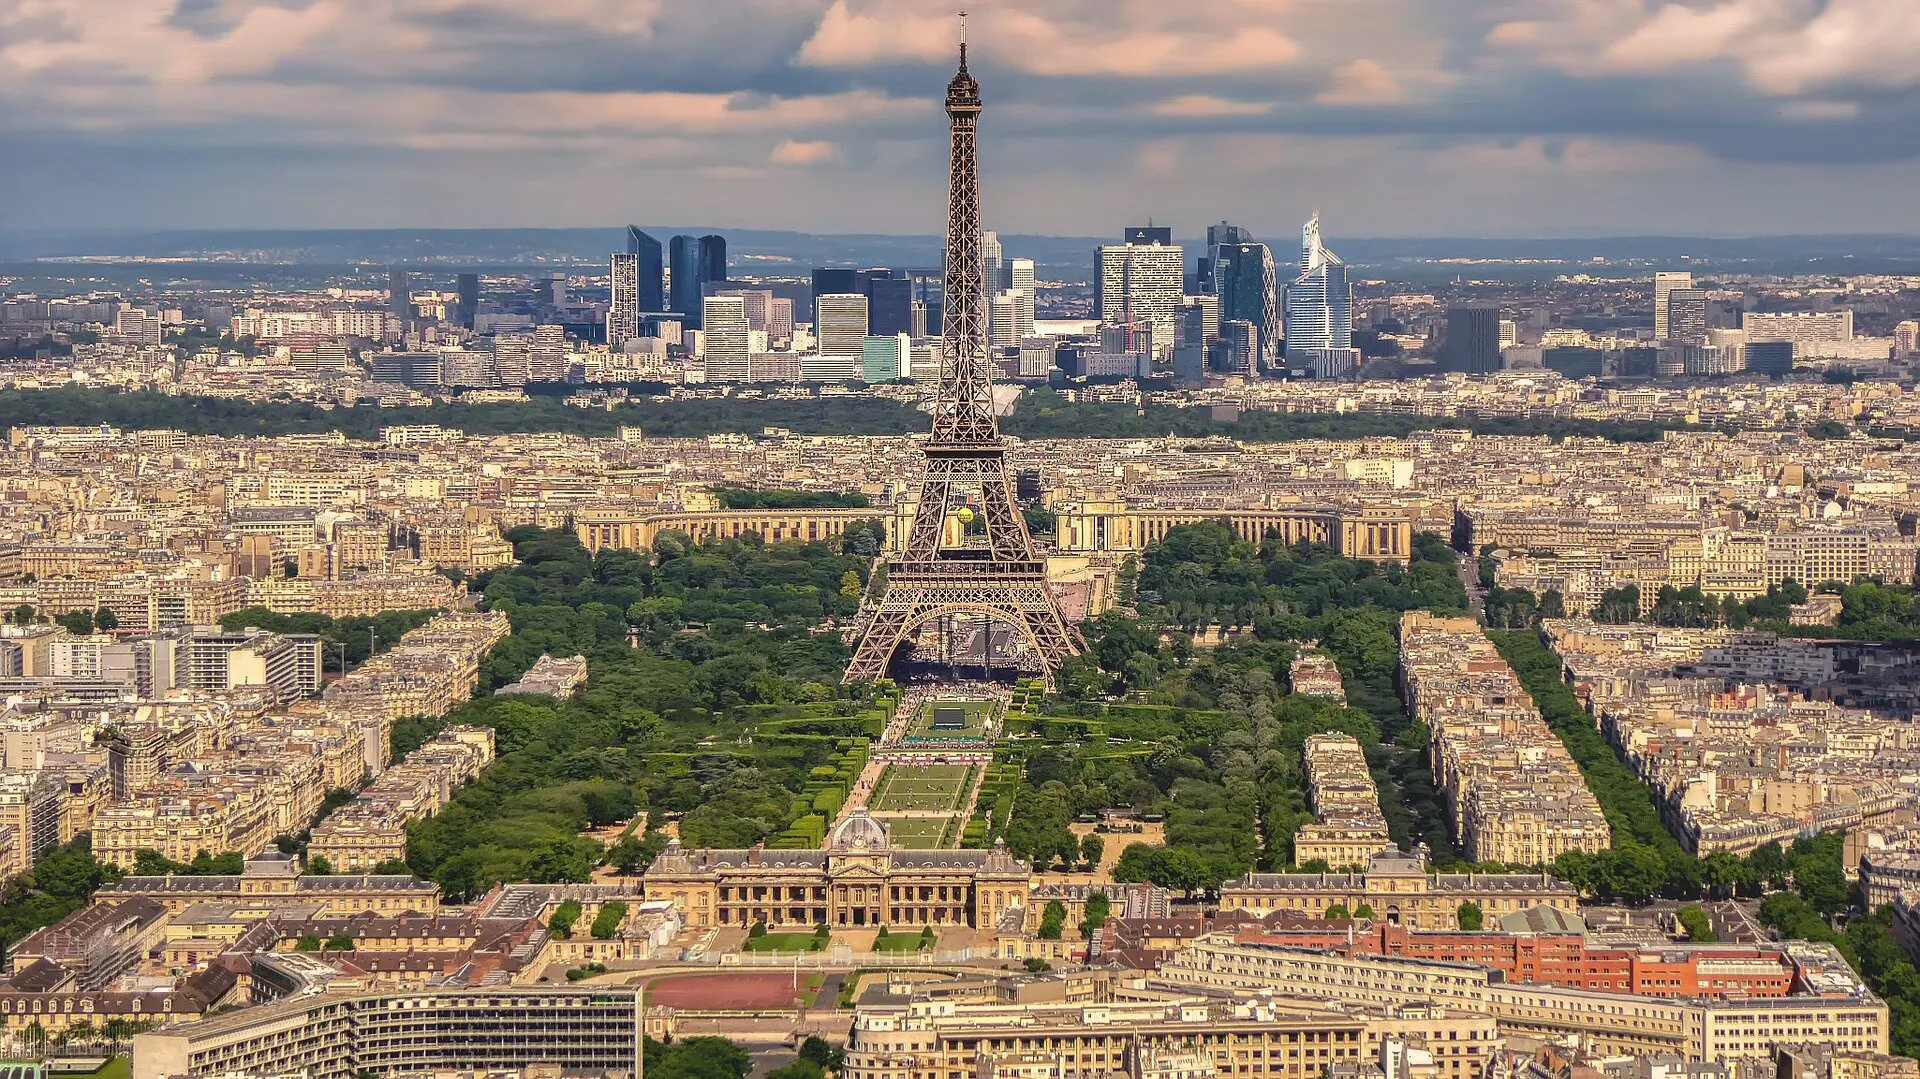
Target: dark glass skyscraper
x=1248 y=286
x=889 y=306
x=1473 y=338
x=400 y=294
x=467 y=287
x=693 y=262
x=651 y=270
x=1773 y=358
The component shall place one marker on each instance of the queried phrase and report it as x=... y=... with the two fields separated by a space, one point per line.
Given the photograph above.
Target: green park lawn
x=902 y=941
x=782 y=942
x=919 y=833
x=921 y=787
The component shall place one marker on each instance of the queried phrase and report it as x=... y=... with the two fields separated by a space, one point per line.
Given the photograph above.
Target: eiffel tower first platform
x=1002 y=580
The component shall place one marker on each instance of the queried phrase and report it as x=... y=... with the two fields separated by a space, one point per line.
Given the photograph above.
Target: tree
x=1470 y=916
x=1363 y=912
x=1553 y=604
x=1099 y=908
x=1037 y=965
x=927 y=938
x=78 y=623
x=1618 y=605
x=1092 y=849
x=560 y=922
x=1338 y=913
x=22 y=615
x=339 y=942
x=1053 y=919
x=1696 y=924
x=817 y=1050
x=607 y=922
x=1823 y=886
x=760 y=930
x=307 y=943
x=106 y=619
x=319 y=866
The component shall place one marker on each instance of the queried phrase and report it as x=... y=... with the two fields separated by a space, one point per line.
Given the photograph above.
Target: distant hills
x=777 y=253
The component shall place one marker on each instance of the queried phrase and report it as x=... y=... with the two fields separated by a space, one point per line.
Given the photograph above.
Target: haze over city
x=1395 y=117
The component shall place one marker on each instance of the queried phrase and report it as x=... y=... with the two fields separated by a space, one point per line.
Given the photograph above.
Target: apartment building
x=372 y=828
x=926 y=1036
x=341 y=1035
x=1349 y=828
x=1516 y=795
x=1400 y=890
x=1829 y=1004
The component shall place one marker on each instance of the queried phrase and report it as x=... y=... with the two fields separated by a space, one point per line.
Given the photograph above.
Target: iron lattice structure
x=1004 y=580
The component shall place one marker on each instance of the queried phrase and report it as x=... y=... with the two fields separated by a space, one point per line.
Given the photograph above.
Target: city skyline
x=1463 y=117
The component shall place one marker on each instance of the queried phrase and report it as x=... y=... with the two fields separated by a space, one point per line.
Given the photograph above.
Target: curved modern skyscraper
x=1320 y=300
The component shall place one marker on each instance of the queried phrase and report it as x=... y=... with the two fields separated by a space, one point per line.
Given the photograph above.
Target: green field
x=784 y=942
x=977 y=712
x=902 y=941
x=926 y=787
x=921 y=833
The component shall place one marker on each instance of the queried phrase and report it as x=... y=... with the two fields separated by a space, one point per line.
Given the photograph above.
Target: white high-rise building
x=842 y=329
x=1142 y=283
x=1906 y=338
x=1806 y=329
x=137 y=326
x=992 y=258
x=1003 y=319
x=1664 y=282
x=623 y=312
x=1319 y=303
x=549 y=357
x=726 y=338
x=1019 y=277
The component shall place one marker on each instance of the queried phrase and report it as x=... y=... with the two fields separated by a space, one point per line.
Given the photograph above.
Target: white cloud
x=794 y=152
x=1361 y=82
x=1780 y=47
x=1207 y=105
x=1124 y=38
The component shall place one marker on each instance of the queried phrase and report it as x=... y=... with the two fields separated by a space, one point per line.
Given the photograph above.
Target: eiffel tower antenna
x=1005 y=581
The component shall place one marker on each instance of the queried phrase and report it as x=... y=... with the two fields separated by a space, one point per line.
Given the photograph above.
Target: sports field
x=976 y=715
x=921 y=833
x=938 y=787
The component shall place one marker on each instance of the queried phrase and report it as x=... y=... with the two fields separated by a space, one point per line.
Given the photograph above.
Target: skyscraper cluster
x=643 y=274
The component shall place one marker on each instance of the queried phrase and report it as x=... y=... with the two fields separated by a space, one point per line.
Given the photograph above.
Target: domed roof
x=860 y=831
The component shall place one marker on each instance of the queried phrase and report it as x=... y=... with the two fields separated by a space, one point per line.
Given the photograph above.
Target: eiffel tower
x=1003 y=580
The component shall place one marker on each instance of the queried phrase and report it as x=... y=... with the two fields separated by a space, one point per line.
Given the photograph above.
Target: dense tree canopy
x=709 y=695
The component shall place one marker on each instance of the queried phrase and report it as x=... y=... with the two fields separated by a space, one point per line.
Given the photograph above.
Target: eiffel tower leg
x=884 y=634
x=923 y=542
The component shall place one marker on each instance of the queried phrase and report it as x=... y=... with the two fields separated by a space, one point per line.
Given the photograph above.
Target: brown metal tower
x=1002 y=580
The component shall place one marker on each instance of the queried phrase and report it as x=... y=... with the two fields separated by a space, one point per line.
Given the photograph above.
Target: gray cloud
x=1404 y=115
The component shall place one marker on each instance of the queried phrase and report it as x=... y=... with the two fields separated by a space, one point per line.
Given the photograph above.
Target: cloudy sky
x=1393 y=117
